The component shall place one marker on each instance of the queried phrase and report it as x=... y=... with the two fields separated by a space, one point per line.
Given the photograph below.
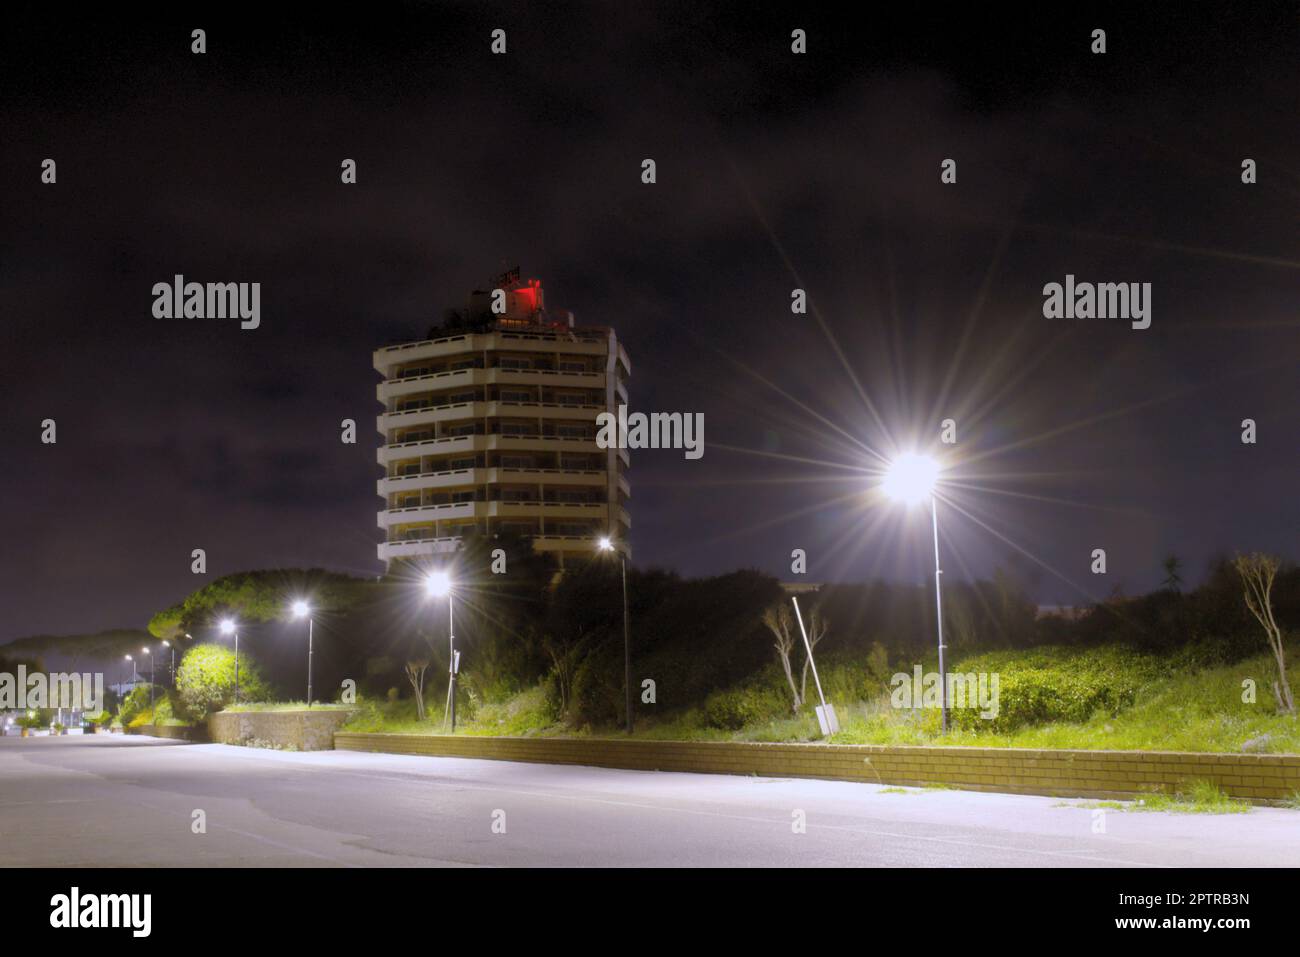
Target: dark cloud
x=773 y=171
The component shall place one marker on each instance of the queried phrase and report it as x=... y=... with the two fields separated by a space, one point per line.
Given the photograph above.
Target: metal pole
x=173 y=667
x=938 y=608
x=311 y=625
x=451 y=639
x=152 y=671
x=808 y=647
x=236 y=667
x=627 y=648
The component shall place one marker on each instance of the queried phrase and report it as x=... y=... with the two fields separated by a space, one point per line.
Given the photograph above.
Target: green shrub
x=1051 y=684
x=205 y=680
x=735 y=708
x=135 y=703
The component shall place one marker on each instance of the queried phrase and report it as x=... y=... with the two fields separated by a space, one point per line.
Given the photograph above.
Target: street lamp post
x=438 y=584
x=910 y=480
x=168 y=644
x=227 y=628
x=133 y=671
x=152 y=672
x=301 y=609
x=607 y=545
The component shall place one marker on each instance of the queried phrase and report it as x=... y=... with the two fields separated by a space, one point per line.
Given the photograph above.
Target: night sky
x=775 y=171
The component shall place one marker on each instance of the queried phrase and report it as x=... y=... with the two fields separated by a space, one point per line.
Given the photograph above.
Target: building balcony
x=548 y=510
x=412 y=547
x=465 y=444
x=449 y=478
x=495 y=409
x=472 y=511
x=460 y=511
x=499 y=375
x=575 y=342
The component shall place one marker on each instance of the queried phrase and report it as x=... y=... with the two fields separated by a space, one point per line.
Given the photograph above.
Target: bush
x=205 y=680
x=734 y=709
x=1045 y=685
x=135 y=704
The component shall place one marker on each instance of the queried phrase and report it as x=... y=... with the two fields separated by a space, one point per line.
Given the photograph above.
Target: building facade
x=492 y=427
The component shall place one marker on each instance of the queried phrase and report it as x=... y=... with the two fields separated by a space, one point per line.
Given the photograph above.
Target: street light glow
x=300 y=609
x=227 y=626
x=438 y=584
x=911 y=478
x=606 y=545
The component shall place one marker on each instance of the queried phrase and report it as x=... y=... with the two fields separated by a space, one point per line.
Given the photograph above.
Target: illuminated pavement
x=115 y=801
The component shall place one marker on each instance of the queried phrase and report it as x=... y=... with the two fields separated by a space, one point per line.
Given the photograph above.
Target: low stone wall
x=1098 y=774
x=175 y=732
x=307 y=730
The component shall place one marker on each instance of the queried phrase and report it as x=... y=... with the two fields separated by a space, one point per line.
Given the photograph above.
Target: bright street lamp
x=606 y=544
x=437 y=584
x=303 y=610
x=910 y=480
x=228 y=628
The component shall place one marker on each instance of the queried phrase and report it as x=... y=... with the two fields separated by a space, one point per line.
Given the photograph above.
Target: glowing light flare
x=911 y=478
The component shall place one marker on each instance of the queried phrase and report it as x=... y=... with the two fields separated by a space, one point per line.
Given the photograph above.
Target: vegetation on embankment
x=1050 y=697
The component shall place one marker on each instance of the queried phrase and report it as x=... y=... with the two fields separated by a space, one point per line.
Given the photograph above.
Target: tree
x=1258 y=572
x=780 y=622
x=415 y=670
x=1173 y=581
x=259 y=596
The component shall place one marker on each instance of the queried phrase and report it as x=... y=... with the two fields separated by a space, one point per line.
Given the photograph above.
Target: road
x=131 y=801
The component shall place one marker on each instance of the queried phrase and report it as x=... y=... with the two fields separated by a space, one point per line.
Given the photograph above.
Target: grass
x=1198 y=709
x=522 y=715
x=1200 y=797
x=1140 y=703
x=285 y=706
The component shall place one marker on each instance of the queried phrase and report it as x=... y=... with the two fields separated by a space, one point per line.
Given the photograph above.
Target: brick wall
x=1118 y=774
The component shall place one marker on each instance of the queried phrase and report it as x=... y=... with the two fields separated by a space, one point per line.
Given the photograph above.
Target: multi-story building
x=491 y=425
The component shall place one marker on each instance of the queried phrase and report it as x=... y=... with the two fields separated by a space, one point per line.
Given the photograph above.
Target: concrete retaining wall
x=301 y=730
x=1099 y=774
x=169 y=731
